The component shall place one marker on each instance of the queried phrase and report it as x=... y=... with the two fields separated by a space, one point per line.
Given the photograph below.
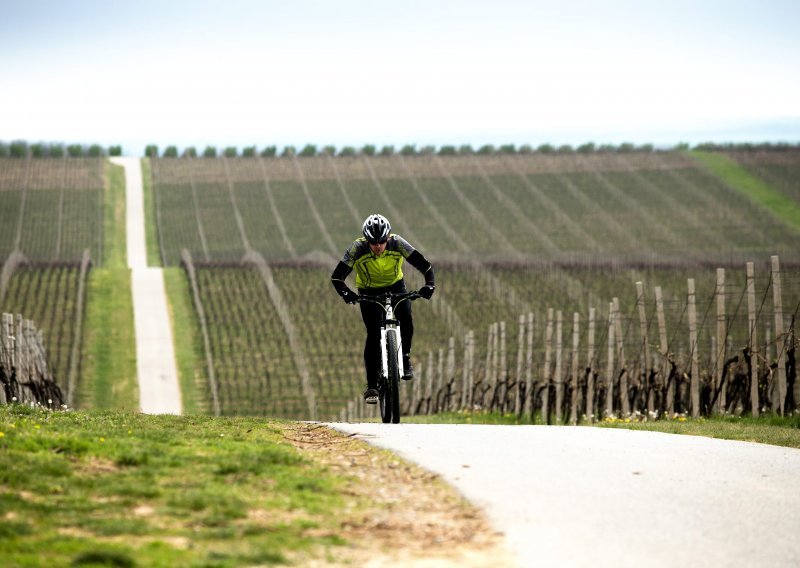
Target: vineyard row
x=631 y=367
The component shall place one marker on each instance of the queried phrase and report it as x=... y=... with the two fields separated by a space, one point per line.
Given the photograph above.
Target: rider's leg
x=403 y=314
x=371 y=314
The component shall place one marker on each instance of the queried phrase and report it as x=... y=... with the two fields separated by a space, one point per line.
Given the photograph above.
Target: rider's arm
x=421 y=263
x=337 y=278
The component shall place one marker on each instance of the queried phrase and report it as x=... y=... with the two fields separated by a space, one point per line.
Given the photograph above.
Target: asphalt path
x=582 y=496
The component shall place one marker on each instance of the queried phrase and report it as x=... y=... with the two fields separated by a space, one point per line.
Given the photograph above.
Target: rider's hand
x=427 y=291
x=349 y=297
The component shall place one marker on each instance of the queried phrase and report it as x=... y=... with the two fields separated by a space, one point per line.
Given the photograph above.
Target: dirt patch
x=94 y=465
x=397 y=513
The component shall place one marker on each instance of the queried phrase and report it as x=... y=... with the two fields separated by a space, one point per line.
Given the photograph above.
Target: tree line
x=153 y=150
x=22 y=149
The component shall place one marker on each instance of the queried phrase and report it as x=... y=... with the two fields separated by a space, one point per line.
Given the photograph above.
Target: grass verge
x=126 y=489
x=769 y=429
x=150 y=232
x=108 y=362
x=186 y=340
x=114 y=229
x=123 y=489
x=756 y=189
x=108 y=366
x=772 y=430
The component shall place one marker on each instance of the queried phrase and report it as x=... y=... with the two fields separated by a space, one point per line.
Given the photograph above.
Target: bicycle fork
x=385 y=353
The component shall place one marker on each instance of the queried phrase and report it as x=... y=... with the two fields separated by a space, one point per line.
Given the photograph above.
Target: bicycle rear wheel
x=393 y=390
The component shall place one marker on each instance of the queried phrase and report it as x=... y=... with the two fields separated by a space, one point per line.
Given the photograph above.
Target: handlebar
x=382 y=298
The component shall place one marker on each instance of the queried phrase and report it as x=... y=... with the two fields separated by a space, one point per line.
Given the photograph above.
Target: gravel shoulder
x=398 y=514
x=583 y=496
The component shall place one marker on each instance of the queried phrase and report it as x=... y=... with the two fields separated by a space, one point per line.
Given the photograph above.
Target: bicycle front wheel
x=393 y=390
x=385 y=401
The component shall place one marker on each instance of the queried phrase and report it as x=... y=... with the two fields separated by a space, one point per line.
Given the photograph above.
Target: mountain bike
x=391 y=353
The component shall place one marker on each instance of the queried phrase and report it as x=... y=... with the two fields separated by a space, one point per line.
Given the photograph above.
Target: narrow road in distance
x=583 y=496
x=156 y=371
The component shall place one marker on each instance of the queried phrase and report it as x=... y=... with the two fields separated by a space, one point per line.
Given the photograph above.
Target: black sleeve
x=421 y=263
x=339 y=274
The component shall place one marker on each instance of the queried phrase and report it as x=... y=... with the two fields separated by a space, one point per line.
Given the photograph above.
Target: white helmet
x=376 y=229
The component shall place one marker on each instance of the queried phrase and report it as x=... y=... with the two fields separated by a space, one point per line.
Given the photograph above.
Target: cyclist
x=377 y=258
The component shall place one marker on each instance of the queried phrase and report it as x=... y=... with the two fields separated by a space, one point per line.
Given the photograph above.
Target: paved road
x=580 y=496
x=155 y=355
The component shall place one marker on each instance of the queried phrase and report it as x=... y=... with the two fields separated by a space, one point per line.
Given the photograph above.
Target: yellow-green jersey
x=382 y=271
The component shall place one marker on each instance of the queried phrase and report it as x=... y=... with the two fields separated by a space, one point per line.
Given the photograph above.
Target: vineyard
x=781 y=170
x=51 y=295
x=654 y=208
x=51 y=229
x=516 y=240
x=510 y=236
x=51 y=209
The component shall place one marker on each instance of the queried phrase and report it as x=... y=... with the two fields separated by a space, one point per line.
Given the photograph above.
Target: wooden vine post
x=719 y=363
x=520 y=362
x=546 y=371
x=503 y=368
x=649 y=388
x=590 y=368
x=468 y=375
x=610 y=363
x=487 y=374
x=23 y=362
x=752 y=340
x=573 y=412
x=437 y=395
x=429 y=384
x=780 y=336
x=529 y=402
x=695 y=379
x=623 y=374
x=558 y=379
x=451 y=372
x=663 y=349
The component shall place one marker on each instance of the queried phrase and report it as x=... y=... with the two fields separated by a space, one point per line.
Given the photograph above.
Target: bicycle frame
x=390 y=362
x=390 y=323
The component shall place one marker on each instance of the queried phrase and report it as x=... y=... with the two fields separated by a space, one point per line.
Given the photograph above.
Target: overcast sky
x=348 y=72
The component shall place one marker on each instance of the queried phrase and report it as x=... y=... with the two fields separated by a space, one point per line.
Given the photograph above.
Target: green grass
x=470 y=417
x=757 y=189
x=151 y=237
x=126 y=489
x=772 y=430
x=768 y=429
x=114 y=230
x=108 y=366
x=186 y=339
x=107 y=375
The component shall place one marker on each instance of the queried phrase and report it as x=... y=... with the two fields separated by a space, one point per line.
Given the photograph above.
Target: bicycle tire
x=384 y=400
x=393 y=392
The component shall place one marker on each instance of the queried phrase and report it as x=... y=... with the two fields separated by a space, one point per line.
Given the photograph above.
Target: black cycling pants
x=373 y=315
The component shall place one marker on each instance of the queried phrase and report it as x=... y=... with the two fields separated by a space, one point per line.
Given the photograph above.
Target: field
x=59 y=219
x=659 y=208
x=780 y=169
x=509 y=235
x=51 y=209
x=50 y=295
